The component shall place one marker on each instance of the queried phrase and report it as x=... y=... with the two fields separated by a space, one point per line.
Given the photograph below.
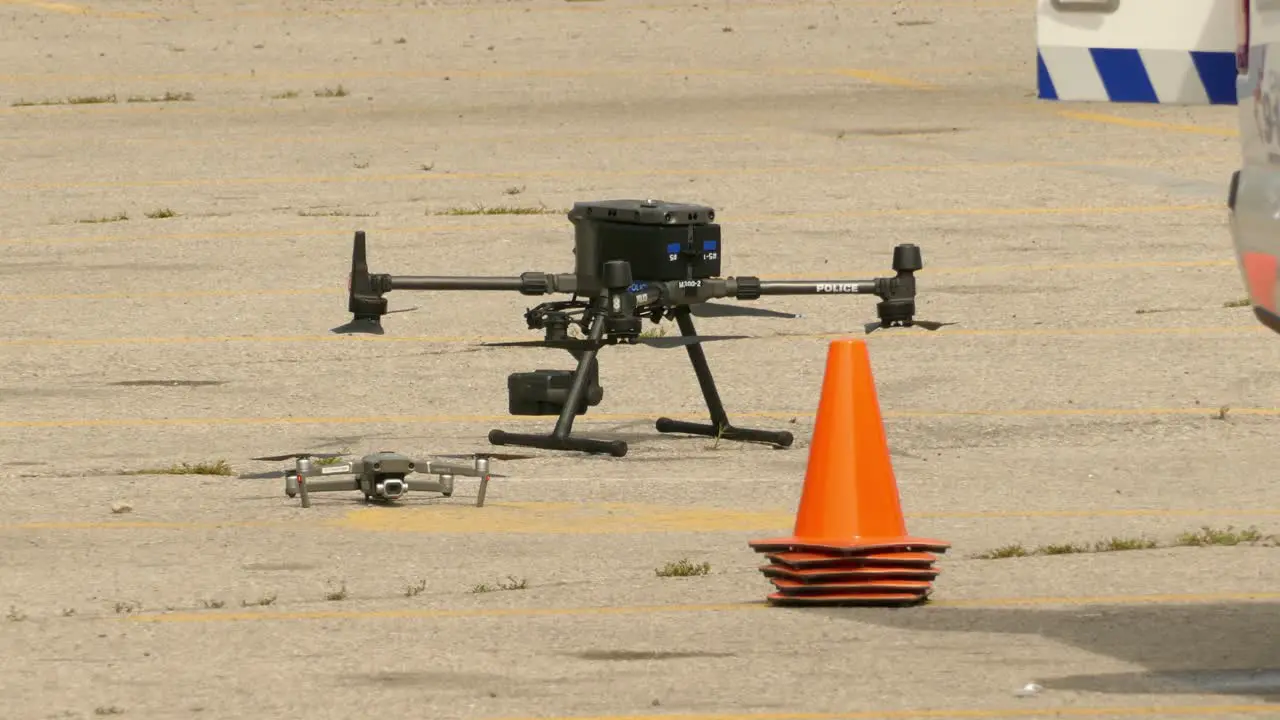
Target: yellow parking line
x=615 y=518
x=488 y=225
x=876 y=77
x=621 y=417
x=64 y=8
x=1202 y=711
x=1251 y=328
x=1108 y=119
x=430 y=177
x=439 y=613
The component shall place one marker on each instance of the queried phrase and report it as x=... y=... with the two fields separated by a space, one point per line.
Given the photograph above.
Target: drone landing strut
x=561 y=438
x=720 y=427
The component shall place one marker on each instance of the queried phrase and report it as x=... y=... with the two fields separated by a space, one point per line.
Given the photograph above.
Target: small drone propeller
x=712 y=310
x=663 y=343
x=926 y=324
x=295 y=456
x=269 y=475
x=487 y=456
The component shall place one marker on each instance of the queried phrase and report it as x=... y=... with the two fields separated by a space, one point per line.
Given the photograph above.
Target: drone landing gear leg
x=560 y=439
x=720 y=427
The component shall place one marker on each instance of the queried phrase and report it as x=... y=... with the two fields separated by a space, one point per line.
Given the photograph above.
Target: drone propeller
x=663 y=343
x=295 y=456
x=711 y=310
x=360 y=326
x=926 y=324
x=487 y=456
x=366 y=325
x=269 y=475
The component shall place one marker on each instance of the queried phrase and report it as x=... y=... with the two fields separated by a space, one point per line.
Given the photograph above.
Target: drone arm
x=309 y=468
x=529 y=283
x=901 y=288
x=749 y=288
x=331 y=484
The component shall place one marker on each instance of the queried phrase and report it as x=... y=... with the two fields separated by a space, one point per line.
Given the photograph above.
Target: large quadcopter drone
x=382 y=476
x=634 y=260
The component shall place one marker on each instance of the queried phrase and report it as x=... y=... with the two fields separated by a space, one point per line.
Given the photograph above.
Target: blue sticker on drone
x=673 y=248
x=708 y=245
x=637 y=287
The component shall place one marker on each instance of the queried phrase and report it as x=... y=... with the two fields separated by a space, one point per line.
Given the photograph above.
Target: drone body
x=635 y=260
x=382 y=476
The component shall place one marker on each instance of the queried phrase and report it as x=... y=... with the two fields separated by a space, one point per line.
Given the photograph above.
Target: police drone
x=634 y=261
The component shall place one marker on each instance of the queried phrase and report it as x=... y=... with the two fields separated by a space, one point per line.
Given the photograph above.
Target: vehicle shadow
x=1219 y=648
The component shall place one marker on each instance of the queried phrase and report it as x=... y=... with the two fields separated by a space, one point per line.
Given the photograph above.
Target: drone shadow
x=1209 y=649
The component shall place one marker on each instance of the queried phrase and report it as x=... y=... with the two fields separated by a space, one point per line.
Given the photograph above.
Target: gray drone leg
x=484 y=487
x=306 y=496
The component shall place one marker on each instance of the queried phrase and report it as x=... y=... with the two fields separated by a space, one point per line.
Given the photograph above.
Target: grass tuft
x=110 y=218
x=167 y=97
x=339 y=91
x=220 y=467
x=1005 y=551
x=75 y=100
x=161 y=214
x=499 y=210
x=263 y=601
x=1203 y=537
x=92 y=99
x=1207 y=536
x=511 y=583
x=336 y=594
x=683 y=568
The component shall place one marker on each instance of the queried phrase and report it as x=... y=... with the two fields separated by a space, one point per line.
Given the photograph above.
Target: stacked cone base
x=848 y=600
x=860 y=546
x=870 y=579
x=838 y=574
x=803 y=560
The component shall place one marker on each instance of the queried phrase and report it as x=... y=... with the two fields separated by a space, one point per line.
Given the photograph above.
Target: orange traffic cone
x=849 y=524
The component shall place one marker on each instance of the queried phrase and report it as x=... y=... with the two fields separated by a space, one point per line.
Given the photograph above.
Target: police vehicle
x=1253 y=198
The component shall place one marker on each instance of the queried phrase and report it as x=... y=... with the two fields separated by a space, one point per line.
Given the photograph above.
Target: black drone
x=634 y=260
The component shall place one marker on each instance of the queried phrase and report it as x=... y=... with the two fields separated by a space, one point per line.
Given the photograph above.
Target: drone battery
x=661 y=241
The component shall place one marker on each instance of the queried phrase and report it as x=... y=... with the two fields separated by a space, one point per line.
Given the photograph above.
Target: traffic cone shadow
x=850 y=543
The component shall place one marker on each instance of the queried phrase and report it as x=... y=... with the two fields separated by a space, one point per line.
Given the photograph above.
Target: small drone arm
x=625 y=298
